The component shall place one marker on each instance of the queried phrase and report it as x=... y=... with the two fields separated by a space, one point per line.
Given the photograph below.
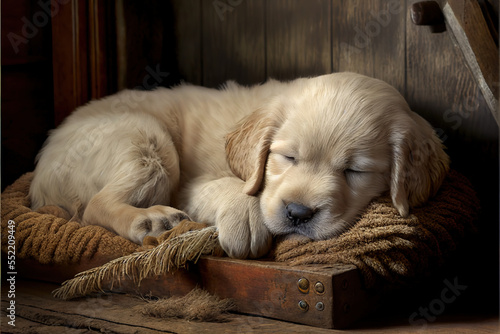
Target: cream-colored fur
x=302 y=157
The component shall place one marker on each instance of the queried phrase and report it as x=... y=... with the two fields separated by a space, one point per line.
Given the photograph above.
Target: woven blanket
x=382 y=244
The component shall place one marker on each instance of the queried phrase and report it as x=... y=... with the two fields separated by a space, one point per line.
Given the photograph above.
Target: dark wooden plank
x=334 y=297
x=121 y=45
x=369 y=38
x=272 y=290
x=31 y=269
x=69 y=58
x=32 y=319
x=298 y=38
x=145 y=43
x=187 y=29
x=233 y=42
x=102 y=48
x=82 y=54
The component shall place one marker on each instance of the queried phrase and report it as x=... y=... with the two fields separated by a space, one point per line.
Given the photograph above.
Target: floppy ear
x=419 y=164
x=247 y=147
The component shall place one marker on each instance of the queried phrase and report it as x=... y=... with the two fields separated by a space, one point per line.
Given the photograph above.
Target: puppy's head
x=323 y=149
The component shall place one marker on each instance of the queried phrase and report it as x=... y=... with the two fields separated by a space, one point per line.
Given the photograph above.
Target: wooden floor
x=37 y=312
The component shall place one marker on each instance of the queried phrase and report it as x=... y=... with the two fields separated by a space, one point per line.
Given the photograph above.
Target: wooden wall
x=250 y=41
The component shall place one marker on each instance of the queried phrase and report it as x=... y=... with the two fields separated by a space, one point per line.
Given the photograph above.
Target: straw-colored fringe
x=167 y=256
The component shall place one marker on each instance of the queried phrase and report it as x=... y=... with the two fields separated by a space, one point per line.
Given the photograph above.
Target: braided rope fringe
x=168 y=256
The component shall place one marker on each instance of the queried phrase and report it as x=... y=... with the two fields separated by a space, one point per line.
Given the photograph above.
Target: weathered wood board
x=37 y=312
x=316 y=295
x=469 y=30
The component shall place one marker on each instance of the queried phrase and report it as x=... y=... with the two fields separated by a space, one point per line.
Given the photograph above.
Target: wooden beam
x=102 y=48
x=316 y=295
x=83 y=53
x=470 y=31
x=69 y=58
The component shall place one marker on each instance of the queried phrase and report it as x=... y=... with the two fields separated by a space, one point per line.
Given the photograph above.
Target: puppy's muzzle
x=298 y=214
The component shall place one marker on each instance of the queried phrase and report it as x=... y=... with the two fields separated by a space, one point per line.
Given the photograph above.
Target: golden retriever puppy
x=302 y=157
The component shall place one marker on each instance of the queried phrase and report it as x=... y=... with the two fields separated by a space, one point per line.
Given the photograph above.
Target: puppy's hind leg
x=105 y=209
x=134 y=203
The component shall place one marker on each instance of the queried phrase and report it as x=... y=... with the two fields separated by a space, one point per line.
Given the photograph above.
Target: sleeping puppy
x=302 y=157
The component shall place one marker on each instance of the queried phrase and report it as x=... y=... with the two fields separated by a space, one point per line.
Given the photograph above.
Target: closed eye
x=285 y=157
x=352 y=171
x=353 y=176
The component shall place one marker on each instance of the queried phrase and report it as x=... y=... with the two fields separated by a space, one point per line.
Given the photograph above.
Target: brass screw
x=303 y=305
x=320 y=306
x=303 y=285
x=319 y=287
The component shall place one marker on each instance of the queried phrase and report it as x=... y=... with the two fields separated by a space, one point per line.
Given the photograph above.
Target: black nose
x=298 y=213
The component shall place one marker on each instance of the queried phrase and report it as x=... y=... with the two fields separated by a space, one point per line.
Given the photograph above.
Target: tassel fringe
x=168 y=256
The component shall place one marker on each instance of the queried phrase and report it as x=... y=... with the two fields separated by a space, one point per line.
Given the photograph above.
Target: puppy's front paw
x=154 y=221
x=242 y=233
